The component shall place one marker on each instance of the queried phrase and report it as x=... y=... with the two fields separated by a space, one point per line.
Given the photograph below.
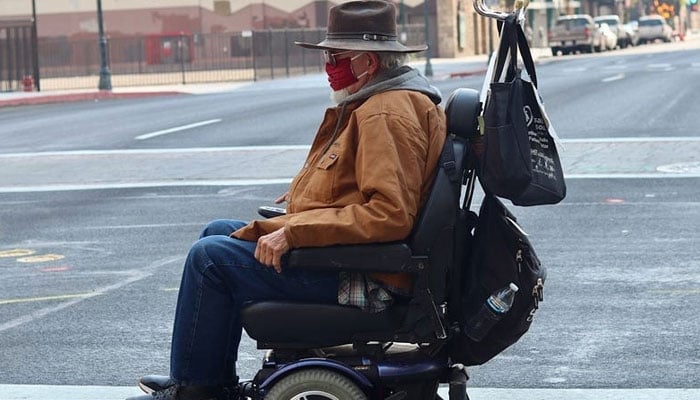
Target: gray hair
x=391 y=60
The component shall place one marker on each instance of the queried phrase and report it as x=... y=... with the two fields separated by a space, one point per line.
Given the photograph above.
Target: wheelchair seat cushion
x=305 y=325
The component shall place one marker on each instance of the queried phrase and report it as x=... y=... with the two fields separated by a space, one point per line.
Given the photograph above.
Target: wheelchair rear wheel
x=315 y=384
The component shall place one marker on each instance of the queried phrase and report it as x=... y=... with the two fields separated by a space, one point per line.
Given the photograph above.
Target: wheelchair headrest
x=462 y=109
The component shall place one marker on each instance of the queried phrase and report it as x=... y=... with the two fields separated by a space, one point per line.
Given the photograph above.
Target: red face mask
x=340 y=76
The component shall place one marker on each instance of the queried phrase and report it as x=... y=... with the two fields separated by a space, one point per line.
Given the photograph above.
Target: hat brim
x=362 y=45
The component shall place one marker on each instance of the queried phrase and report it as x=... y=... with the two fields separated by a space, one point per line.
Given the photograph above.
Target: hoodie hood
x=401 y=78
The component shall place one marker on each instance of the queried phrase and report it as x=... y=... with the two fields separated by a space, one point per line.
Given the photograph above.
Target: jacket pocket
x=322 y=179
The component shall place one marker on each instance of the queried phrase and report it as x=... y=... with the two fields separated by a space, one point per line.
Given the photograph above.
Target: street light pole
x=105 y=74
x=35 y=46
x=402 y=13
x=428 y=66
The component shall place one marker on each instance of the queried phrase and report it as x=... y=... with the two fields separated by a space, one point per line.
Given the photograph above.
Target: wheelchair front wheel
x=315 y=384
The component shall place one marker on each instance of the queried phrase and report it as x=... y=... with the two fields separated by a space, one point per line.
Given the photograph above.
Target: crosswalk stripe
x=67 y=392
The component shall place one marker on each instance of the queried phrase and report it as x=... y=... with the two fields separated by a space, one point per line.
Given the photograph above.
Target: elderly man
x=366 y=176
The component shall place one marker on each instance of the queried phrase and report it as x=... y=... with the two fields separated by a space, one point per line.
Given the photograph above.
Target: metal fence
x=16 y=57
x=183 y=58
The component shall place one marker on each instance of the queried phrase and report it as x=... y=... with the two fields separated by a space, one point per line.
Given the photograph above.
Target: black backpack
x=499 y=253
x=491 y=250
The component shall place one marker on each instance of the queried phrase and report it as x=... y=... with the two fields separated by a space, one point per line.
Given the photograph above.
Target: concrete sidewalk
x=444 y=68
x=668 y=157
x=458 y=67
x=13 y=99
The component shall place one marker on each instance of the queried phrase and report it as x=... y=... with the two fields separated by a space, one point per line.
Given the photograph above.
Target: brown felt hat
x=363 y=26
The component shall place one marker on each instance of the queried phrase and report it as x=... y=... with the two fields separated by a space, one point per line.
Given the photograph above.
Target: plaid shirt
x=361 y=291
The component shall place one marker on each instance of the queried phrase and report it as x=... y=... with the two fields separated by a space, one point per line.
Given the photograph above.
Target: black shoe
x=177 y=392
x=155 y=383
x=238 y=391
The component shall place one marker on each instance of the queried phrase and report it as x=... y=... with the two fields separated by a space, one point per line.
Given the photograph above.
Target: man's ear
x=372 y=63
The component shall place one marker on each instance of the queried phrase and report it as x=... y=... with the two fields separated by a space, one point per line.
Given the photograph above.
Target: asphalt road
x=89 y=277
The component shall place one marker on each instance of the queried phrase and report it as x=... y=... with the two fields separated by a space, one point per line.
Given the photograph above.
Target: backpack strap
x=449 y=165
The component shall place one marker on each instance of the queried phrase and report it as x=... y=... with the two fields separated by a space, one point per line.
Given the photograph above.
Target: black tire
x=315 y=384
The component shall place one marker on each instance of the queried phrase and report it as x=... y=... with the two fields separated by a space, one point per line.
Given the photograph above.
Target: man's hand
x=270 y=249
x=282 y=198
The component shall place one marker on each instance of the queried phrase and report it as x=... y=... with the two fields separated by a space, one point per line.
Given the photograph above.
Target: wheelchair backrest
x=434 y=231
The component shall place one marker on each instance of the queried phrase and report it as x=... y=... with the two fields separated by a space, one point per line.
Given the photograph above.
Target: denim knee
x=221 y=227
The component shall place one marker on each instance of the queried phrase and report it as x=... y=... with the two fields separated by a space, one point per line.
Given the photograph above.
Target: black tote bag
x=520 y=161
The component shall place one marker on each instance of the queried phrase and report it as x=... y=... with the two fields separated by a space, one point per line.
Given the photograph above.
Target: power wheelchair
x=336 y=352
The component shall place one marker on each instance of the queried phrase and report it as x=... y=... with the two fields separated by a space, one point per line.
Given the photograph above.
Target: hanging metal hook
x=483 y=9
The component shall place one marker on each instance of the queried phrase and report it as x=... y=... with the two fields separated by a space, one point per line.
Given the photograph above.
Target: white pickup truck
x=573 y=33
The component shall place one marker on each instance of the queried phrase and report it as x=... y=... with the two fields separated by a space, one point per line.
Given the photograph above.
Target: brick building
x=455 y=29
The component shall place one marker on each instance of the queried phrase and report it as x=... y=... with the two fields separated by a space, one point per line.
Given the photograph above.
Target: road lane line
x=657 y=139
x=284 y=175
x=135 y=276
x=614 y=78
x=176 y=129
x=40 y=258
x=14 y=253
x=615 y=67
x=46 y=298
x=660 y=67
x=71 y=392
x=197 y=150
x=142 y=185
x=128 y=152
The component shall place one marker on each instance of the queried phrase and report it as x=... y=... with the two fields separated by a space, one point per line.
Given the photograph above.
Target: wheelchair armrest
x=376 y=257
x=271 y=212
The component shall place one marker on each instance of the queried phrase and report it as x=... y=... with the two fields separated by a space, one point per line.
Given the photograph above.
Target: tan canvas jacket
x=366 y=183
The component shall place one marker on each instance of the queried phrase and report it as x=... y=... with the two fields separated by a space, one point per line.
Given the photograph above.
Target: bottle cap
x=513 y=287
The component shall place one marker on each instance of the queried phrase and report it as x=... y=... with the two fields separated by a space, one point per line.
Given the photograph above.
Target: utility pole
x=402 y=14
x=35 y=48
x=105 y=74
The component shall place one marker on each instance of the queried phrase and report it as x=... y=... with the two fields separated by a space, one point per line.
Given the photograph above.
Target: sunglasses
x=330 y=58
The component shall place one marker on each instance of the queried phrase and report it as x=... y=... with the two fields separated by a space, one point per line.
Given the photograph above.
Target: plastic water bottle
x=491 y=312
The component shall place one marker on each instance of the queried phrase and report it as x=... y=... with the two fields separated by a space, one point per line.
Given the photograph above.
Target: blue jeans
x=221 y=274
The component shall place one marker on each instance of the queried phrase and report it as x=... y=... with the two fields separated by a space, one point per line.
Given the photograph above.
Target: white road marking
x=628 y=175
x=284 y=174
x=193 y=150
x=176 y=129
x=616 y=67
x=614 y=78
x=136 y=185
x=661 y=67
x=66 y=392
x=134 y=276
x=657 y=139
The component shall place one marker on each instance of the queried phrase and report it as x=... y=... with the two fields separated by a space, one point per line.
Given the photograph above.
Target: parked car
x=613 y=21
x=632 y=29
x=573 y=33
x=653 y=27
x=608 y=37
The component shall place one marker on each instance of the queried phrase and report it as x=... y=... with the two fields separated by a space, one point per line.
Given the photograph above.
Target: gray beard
x=338 y=96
